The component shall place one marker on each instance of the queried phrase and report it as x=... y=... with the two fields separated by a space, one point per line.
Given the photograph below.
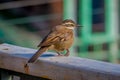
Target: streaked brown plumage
x=59 y=39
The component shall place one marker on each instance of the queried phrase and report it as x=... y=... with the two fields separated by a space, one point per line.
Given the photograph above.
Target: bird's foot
x=59 y=54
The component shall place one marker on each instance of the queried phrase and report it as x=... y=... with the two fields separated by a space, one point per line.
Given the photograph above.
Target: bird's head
x=69 y=24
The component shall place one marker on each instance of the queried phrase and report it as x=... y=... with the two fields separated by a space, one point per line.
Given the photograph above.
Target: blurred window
x=98 y=16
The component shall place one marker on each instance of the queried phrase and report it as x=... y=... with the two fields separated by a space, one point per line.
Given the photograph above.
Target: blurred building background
x=26 y=22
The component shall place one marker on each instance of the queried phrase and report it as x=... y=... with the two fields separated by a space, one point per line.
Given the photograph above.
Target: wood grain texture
x=57 y=68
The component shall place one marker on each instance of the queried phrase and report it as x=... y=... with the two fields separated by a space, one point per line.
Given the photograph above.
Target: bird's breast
x=65 y=42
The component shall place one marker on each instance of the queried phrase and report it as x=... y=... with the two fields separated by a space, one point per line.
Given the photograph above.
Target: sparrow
x=60 y=38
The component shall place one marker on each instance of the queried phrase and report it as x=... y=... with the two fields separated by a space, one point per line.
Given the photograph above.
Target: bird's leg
x=67 y=53
x=59 y=54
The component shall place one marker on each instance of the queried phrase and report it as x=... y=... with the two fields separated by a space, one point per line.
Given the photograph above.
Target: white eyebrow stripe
x=69 y=23
x=70 y=28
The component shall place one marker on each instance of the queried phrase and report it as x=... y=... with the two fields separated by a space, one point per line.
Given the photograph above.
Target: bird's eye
x=71 y=25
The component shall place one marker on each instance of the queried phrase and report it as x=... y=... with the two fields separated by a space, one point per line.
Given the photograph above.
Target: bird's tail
x=37 y=54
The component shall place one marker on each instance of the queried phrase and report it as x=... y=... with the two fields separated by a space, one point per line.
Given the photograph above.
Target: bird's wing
x=51 y=38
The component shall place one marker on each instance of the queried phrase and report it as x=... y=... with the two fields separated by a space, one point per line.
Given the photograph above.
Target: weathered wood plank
x=57 y=68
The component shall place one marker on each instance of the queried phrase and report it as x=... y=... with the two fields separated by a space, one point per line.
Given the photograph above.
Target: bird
x=60 y=38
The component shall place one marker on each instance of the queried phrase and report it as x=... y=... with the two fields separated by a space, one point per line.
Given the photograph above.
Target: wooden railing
x=51 y=67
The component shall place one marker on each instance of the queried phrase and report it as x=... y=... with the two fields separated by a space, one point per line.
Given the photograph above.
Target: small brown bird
x=59 y=39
